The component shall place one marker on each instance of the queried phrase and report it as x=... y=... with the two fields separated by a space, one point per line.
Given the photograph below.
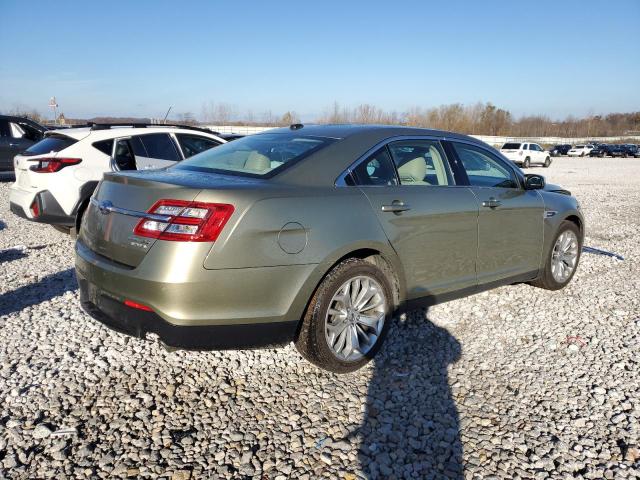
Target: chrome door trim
x=106 y=207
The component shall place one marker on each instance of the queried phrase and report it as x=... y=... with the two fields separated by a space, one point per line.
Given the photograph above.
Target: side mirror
x=533 y=181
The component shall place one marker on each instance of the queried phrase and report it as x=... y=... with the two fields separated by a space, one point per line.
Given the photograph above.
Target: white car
x=526 y=154
x=580 y=150
x=56 y=177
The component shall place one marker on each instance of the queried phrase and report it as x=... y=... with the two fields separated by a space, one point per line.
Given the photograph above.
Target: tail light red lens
x=51 y=165
x=35 y=209
x=186 y=221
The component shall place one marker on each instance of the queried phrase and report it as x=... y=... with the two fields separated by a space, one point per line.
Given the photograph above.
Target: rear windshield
x=50 y=144
x=511 y=146
x=260 y=155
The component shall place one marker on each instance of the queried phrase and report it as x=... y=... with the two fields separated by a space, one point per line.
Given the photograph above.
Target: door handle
x=396 y=207
x=491 y=203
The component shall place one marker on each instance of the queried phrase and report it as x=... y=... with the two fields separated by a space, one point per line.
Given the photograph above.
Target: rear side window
x=50 y=144
x=105 y=146
x=511 y=146
x=420 y=162
x=192 y=144
x=483 y=169
x=160 y=146
x=376 y=170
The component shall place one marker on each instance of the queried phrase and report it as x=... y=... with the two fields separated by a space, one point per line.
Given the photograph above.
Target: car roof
x=323 y=166
x=342 y=131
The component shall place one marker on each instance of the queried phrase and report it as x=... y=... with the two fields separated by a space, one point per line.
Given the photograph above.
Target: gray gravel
x=513 y=383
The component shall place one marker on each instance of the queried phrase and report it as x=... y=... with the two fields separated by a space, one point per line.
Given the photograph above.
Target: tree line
x=476 y=119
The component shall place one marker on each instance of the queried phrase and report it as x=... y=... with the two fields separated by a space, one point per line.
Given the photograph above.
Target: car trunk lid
x=119 y=203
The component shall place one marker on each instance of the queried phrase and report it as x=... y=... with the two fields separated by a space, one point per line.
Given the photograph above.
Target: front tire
x=347 y=318
x=527 y=163
x=547 y=162
x=562 y=260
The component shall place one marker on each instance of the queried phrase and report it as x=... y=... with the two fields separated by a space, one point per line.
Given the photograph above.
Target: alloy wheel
x=355 y=318
x=564 y=256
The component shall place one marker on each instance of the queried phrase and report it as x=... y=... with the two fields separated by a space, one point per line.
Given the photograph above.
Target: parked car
x=526 y=154
x=317 y=235
x=617 y=151
x=56 y=176
x=558 y=150
x=580 y=150
x=601 y=151
x=16 y=134
x=630 y=149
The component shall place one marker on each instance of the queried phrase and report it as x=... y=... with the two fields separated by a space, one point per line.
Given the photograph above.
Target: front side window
x=194 y=144
x=376 y=170
x=256 y=155
x=420 y=162
x=16 y=130
x=160 y=146
x=483 y=169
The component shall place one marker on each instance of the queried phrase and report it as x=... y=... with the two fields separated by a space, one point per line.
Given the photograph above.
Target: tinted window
x=511 y=146
x=420 y=162
x=261 y=154
x=192 y=144
x=160 y=146
x=376 y=170
x=30 y=132
x=5 y=131
x=105 y=146
x=483 y=169
x=53 y=143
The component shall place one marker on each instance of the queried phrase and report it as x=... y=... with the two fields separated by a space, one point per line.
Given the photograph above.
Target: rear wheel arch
x=383 y=260
x=86 y=190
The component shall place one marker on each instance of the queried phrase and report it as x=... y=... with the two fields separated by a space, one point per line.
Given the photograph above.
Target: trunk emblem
x=105 y=207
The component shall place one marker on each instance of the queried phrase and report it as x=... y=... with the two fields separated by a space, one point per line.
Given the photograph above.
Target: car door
x=6 y=150
x=14 y=141
x=536 y=153
x=429 y=220
x=510 y=221
x=144 y=152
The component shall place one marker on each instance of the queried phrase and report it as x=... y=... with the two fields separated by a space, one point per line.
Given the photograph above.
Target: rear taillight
x=185 y=221
x=35 y=209
x=50 y=165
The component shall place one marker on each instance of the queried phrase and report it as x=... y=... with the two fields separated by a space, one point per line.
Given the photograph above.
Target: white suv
x=580 y=150
x=56 y=176
x=526 y=154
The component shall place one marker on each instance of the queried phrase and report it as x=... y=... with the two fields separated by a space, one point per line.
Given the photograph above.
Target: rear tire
x=549 y=278
x=547 y=162
x=319 y=323
x=527 y=163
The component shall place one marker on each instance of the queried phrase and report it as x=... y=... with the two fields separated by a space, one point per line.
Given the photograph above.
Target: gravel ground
x=513 y=383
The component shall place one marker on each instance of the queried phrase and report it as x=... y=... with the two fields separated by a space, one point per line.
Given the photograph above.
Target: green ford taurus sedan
x=317 y=235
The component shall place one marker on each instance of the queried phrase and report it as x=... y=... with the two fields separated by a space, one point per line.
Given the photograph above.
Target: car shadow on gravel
x=38 y=291
x=411 y=426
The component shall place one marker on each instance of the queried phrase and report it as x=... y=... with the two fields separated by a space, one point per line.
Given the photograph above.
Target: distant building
x=61 y=119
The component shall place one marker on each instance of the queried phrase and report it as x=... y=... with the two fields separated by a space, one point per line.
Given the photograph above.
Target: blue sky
x=137 y=58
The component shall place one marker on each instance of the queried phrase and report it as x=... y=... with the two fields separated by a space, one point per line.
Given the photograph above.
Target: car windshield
x=511 y=146
x=260 y=155
x=579 y=146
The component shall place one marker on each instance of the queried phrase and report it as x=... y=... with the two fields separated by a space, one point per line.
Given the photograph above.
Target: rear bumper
x=51 y=212
x=138 y=323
